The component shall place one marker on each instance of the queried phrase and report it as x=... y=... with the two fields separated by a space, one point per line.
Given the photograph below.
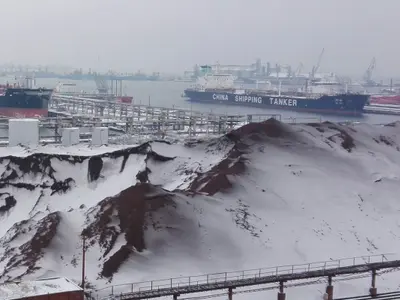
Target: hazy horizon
x=172 y=36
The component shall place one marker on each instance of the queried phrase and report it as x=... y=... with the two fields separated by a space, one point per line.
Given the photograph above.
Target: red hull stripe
x=23 y=113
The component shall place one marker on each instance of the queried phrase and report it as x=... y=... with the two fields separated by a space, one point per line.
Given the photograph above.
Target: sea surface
x=168 y=94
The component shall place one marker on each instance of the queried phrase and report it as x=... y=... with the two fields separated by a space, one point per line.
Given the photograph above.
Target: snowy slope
x=264 y=195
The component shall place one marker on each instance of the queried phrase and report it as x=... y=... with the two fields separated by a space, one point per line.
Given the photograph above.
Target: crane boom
x=316 y=67
x=368 y=72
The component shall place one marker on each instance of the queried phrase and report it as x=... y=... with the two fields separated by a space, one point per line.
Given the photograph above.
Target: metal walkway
x=137 y=118
x=210 y=282
x=383 y=296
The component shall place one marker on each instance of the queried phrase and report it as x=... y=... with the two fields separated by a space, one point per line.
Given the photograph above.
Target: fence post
x=132 y=288
x=171 y=283
x=207 y=278
x=112 y=290
x=226 y=276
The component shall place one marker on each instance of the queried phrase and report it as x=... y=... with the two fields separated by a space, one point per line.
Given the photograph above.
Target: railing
x=218 y=278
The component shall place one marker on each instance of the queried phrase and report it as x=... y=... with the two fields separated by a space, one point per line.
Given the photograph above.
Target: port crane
x=101 y=83
x=368 y=73
x=298 y=70
x=316 y=67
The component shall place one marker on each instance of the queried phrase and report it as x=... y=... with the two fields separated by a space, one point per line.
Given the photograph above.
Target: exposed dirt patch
x=95 y=166
x=257 y=131
x=62 y=186
x=217 y=179
x=388 y=141
x=393 y=124
x=30 y=252
x=115 y=261
x=9 y=202
x=143 y=176
x=347 y=140
x=157 y=157
x=41 y=165
x=318 y=126
x=128 y=213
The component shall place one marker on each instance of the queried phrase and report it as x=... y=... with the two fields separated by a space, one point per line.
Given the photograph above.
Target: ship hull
x=341 y=104
x=23 y=112
x=25 y=103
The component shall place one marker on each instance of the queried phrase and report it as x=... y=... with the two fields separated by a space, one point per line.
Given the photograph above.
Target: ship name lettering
x=220 y=97
x=283 y=101
x=248 y=99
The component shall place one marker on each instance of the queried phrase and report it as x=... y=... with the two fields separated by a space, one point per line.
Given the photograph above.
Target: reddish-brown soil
x=32 y=250
x=217 y=179
x=256 y=131
x=347 y=140
x=131 y=208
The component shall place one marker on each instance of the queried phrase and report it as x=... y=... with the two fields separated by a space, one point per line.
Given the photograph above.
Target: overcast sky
x=173 y=35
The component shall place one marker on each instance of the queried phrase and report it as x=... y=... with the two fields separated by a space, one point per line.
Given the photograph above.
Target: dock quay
x=382 y=109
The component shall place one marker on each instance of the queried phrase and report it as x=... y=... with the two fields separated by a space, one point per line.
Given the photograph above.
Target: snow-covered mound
x=263 y=195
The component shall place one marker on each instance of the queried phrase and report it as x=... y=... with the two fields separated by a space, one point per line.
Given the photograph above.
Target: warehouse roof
x=20 y=290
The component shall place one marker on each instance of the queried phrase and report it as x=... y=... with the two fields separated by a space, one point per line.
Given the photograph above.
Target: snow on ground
x=19 y=290
x=84 y=149
x=267 y=194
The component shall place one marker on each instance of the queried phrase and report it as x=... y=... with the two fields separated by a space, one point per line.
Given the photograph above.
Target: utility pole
x=83 y=261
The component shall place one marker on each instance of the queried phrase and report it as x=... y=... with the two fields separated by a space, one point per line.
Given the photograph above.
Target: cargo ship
x=24 y=102
x=219 y=88
x=390 y=96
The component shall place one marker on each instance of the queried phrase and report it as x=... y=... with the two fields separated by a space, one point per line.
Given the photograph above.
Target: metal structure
x=383 y=296
x=315 y=69
x=143 y=119
x=101 y=84
x=230 y=280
